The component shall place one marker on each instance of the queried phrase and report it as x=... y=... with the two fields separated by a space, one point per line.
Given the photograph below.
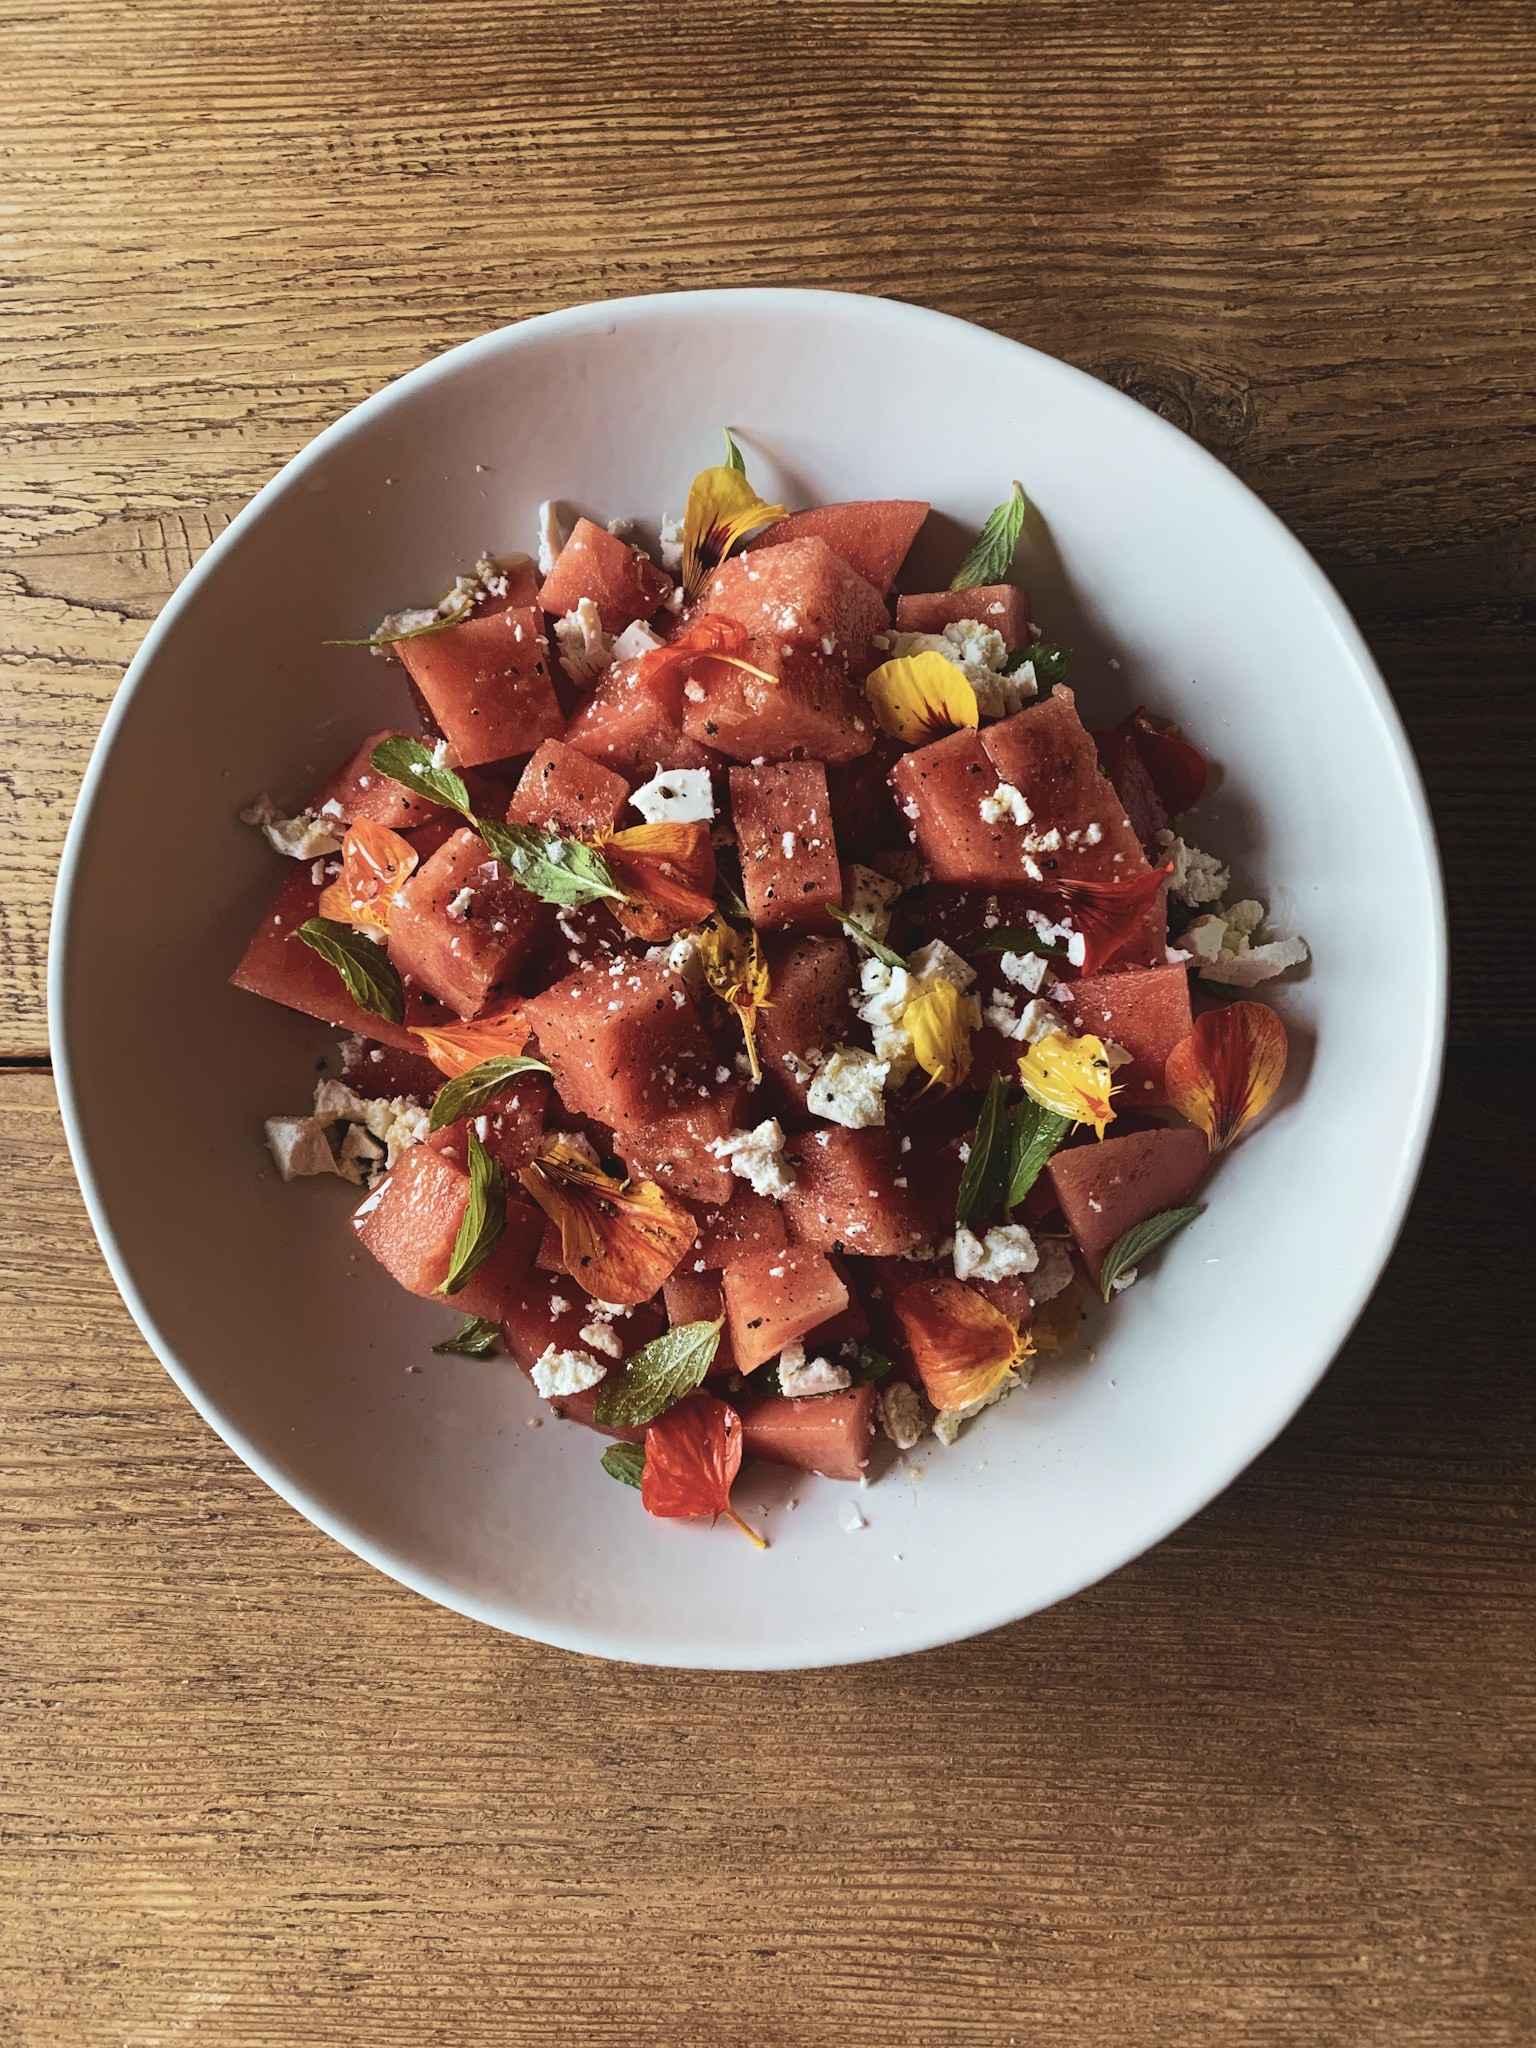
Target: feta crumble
x=584 y=648
x=1025 y=970
x=1006 y=1250
x=602 y=1337
x=300 y=1146
x=1006 y=805
x=800 y=1376
x=849 y=1089
x=979 y=652
x=1222 y=945
x=398 y=1122
x=671 y=545
x=676 y=796
x=303 y=837
x=636 y=640
x=948 y=1423
x=1197 y=877
x=903 y=1414
x=566 y=1372
x=871 y=898
x=551 y=536
x=757 y=1157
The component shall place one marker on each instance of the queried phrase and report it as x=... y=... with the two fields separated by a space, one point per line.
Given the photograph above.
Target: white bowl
x=317 y=1370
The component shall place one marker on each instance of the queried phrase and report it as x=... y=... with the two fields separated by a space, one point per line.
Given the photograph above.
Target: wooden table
x=1271 y=1785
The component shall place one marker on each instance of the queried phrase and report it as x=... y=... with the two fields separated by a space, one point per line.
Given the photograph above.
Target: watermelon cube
x=358 y=790
x=373 y=1070
x=1001 y=606
x=744 y=1222
x=1145 y=1010
x=852 y=1192
x=624 y=584
x=832 y=1434
x=1120 y=758
x=633 y=724
x=283 y=969
x=539 y=1315
x=1105 y=1189
x=565 y=791
x=1147 y=943
x=774 y=1298
x=1047 y=754
x=789 y=861
x=810 y=1014
x=673 y=1146
x=941 y=789
x=461 y=925
x=865 y=816
x=510 y=1126
x=625 y=1042
x=699 y=1298
x=872 y=537
x=411 y=1220
x=488 y=683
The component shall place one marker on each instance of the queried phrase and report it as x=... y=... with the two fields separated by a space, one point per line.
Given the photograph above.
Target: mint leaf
x=625 y=1462
x=365 y=968
x=466 y=1093
x=485 y=1217
x=866 y=1362
x=733 y=455
x=660 y=1373
x=1037 y=1133
x=454 y=618
x=867 y=939
x=766 y=1381
x=410 y=764
x=1140 y=1239
x=473 y=1339
x=986 y=1169
x=1051 y=663
x=559 y=871
x=991 y=555
x=1020 y=938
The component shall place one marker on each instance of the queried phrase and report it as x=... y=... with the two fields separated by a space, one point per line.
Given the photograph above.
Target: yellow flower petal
x=921 y=696
x=1054 y=1323
x=722 y=509
x=736 y=970
x=963 y=1346
x=940 y=1020
x=1071 y=1076
x=666 y=866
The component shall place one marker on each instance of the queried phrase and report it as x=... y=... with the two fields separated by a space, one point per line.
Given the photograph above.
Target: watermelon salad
x=774 y=1015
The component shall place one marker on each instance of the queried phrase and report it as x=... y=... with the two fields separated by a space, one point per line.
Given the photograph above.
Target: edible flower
x=620 y=1239
x=668 y=866
x=965 y=1349
x=1071 y=1076
x=921 y=695
x=736 y=970
x=374 y=862
x=708 y=639
x=1108 y=913
x=1227 y=1070
x=1054 y=1323
x=692 y=1456
x=939 y=1019
x=498 y=1033
x=1177 y=770
x=722 y=509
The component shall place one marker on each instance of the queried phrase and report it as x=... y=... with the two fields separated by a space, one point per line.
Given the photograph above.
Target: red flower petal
x=1177 y=769
x=711 y=639
x=1107 y=913
x=1229 y=1067
x=692 y=1456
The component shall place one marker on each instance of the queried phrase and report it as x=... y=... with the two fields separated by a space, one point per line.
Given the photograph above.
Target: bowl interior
x=1173 y=585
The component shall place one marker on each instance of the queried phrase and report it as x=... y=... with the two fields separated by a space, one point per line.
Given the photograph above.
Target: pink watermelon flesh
x=1122 y=763
x=488 y=683
x=1107 y=1188
x=745 y=1222
x=827 y=1433
x=411 y=1220
x=625 y=1042
x=283 y=969
x=809 y=1013
x=1001 y=606
x=672 y=1147
x=358 y=790
x=699 y=1298
x=873 y=537
x=531 y=1324
x=773 y=1298
x=624 y=584
x=633 y=724
x=941 y=788
x=789 y=862
x=382 y=1070
x=1144 y=1010
x=848 y=1196
x=1045 y=752
x=510 y=1126
x=565 y=791
x=459 y=957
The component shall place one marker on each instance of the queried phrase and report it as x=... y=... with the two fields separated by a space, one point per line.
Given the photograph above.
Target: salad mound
x=771 y=1012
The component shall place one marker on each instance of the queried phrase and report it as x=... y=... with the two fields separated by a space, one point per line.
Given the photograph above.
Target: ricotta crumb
x=566 y=1372
x=849 y=1089
x=676 y=796
x=757 y=1157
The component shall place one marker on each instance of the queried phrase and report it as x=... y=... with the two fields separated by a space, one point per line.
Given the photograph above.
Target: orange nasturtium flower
x=736 y=970
x=920 y=696
x=498 y=1033
x=1108 y=913
x=722 y=509
x=374 y=862
x=668 y=866
x=965 y=1349
x=692 y=1456
x=708 y=639
x=1224 y=1073
x=1071 y=1076
x=619 y=1239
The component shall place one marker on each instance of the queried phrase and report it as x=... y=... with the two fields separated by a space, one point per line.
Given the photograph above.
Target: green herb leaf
x=625 y=1462
x=991 y=555
x=733 y=455
x=485 y=1217
x=366 y=969
x=985 y=1178
x=1020 y=938
x=660 y=1372
x=866 y=1363
x=559 y=871
x=1037 y=1132
x=1051 y=663
x=410 y=764
x=867 y=939
x=1140 y=1239
x=766 y=1381
x=466 y=1093
x=453 y=618
x=474 y=1339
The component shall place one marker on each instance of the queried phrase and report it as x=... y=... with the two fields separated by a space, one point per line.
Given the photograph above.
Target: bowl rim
x=884 y=314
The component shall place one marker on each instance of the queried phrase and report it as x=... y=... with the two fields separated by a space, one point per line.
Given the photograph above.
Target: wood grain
x=1269 y=1787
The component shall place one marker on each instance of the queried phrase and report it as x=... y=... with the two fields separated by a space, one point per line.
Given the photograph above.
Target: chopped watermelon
x=1001 y=606
x=744 y=1222
x=510 y=1126
x=789 y=863
x=374 y=1070
x=872 y=537
x=832 y=1434
x=633 y=724
x=411 y=1220
x=941 y=789
x=488 y=683
x=699 y=1298
x=1120 y=758
x=358 y=790
x=1046 y=753
x=460 y=926
x=673 y=1146
x=852 y=1192
x=810 y=1014
x=565 y=791
x=625 y=1042
x=1145 y=1010
x=283 y=969
x=774 y=1298
x=624 y=584
x=1106 y=1189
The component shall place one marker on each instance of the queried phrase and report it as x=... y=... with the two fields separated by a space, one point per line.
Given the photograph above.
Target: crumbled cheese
x=1053 y=1273
x=871 y=896
x=787 y=843
x=676 y=796
x=1222 y=945
x=361 y=1157
x=551 y=536
x=849 y=1089
x=1123 y=1280
x=1197 y=877
x=948 y=1424
x=566 y=1372
x=303 y=837
x=634 y=641
x=1037 y=1020
x=457 y=907
x=1025 y=970
x=602 y=1337
x=850 y=1520
x=685 y=959
x=300 y=1146
x=1006 y=804
x=585 y=649
x=757 y=1157
x=980 y=653
x=903 y=1414
x=671 y=545
x=938 y=962
x=396 y=1121
x=799 y=1375
x=1006 y=1250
